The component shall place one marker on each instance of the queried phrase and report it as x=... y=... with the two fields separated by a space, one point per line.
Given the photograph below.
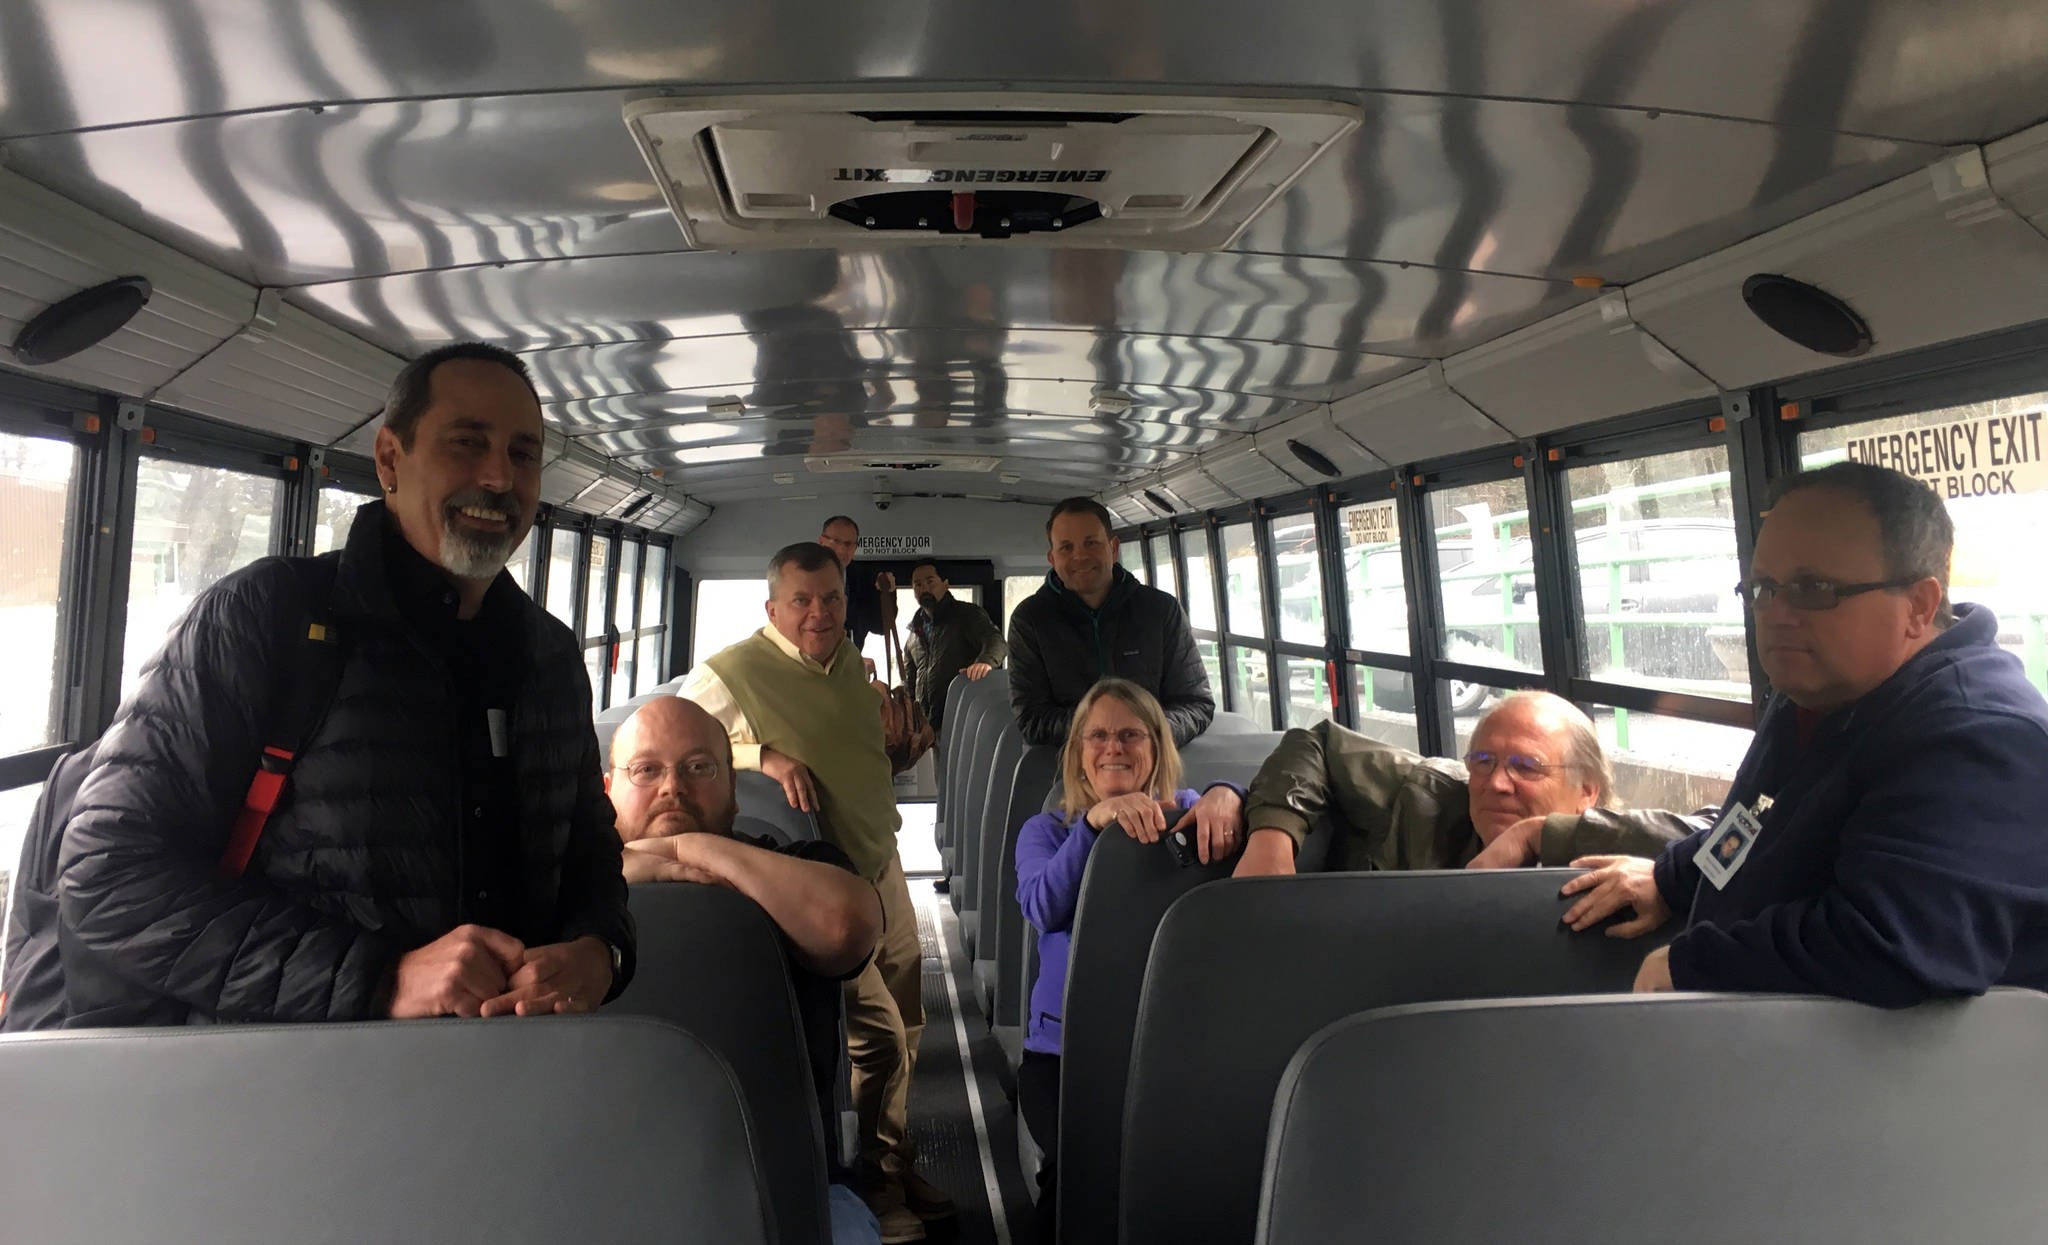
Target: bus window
x=626 y=677
x=1016 y=590
x=1250 y=693
x=1667 y=762
x=1130 y=555
x=562 y=575
x=1386 y=706
x=1655 y=542
x=1486 y=584
x=728 y=611
x=653 y=618
x=1162 y=565
x=1212 y=663
x=193 y=525
x=1311 y=693
x=1375 y=585
x=1299 y=581
x=595 y=656
x=521 y=564
x=15 y=806
x=337 y=514
x=1985 y=460
x=36 y=476
x=1243 y=599
x=1201 y=597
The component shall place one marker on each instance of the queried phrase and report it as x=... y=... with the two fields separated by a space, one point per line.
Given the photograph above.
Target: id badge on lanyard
x=1728 y=846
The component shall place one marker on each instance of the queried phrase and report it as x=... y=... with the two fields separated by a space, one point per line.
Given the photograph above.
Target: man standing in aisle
x=869 y=598
x=1091 y=620
x=948 y=637
x=797 y=705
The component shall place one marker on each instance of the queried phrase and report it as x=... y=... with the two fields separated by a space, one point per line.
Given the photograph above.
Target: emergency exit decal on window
x=1371 y=525
x=1986 y=457
x=894 y=546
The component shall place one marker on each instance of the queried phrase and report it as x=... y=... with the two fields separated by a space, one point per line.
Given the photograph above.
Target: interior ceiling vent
x=917 y=462
x=1146 y=171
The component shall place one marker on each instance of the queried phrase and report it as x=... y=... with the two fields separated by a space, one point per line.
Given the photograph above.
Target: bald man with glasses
x=1536 y=787
x=1884 y=840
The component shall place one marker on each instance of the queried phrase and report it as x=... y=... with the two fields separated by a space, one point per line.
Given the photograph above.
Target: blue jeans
x=852 y=1222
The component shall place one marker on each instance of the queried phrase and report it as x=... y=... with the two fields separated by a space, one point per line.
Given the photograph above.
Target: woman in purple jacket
x=1119 y=767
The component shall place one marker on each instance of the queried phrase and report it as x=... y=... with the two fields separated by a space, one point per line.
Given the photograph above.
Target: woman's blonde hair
x=1080 y=794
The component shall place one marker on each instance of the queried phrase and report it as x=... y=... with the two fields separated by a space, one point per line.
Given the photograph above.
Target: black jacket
x=1059 y=648
x=363 y=860
x=944 y=641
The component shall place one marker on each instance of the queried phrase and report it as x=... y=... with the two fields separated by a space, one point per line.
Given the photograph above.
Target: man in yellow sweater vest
x=795 y=700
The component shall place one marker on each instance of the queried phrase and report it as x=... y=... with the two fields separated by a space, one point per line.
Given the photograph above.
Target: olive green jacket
x=1392 y=809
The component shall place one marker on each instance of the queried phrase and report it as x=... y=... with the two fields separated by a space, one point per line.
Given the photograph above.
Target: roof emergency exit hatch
x=1151 y=172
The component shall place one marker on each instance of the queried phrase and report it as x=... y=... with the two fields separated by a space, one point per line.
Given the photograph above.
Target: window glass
x=1201 y=597
x=35 y=496
x=1311 y=697
x=1986 y=461
x=193 y=525
x=1016 y=590
x=593 y=665
x=1469 y=701
x=1250 y=694
x=1213 y=664
x=1655 y=542
x=595 y=586
x=1162 y=565
x=1487 y=589
x=521 y=564
x=1130 y=554
x=1243 y=599
x=1300 y=579
x=337 y=514
x=1667 y=762
x=1386 y=705
x=653 y=602
x=1375 y=583
x=562 y=575
x=15 y=806
x=727 y=611
x=626 y=665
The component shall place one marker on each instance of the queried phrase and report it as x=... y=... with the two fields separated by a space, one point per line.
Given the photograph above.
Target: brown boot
x=897 y=1221
x=926 y=1200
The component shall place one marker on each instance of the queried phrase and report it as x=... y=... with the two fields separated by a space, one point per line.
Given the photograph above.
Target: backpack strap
x=315 y=655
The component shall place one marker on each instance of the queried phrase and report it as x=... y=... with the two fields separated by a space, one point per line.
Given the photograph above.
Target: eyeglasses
x=647 y=773
x=1810 y=594
x=1520 y=768
x=1099 y=738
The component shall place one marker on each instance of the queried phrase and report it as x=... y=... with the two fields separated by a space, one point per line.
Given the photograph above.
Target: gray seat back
x=1124 y=892
x=712 y=962
x=982 y=836
x=761 y=799
x=1754 y=1118
x=573 y=1128
x=1228 y=723
x=1240 y=976
x=978 y=744
x=607 y=723
x=1002 y=920
x=963 y=725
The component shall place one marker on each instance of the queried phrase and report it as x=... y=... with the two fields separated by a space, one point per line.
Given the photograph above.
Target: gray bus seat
x=943 y=751
x=967 y=766
x=570 y=1128
x=1239 y=976
x=1749 y=1118
x=1002 y=920
x=761 y=799
x=1126 y=889
x=977 y=842
x=1226 y=758
x=978 y=751
x=607 y=723
x=712 y=962
x=1228 y=723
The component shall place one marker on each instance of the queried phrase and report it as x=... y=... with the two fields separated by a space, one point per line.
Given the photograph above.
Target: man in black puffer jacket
x=444 y=845
x=1092 y=620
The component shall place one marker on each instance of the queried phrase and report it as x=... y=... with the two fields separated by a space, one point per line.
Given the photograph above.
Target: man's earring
x=391 y=488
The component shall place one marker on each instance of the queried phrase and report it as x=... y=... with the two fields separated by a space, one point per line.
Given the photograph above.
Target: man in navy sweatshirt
x=1891 y=817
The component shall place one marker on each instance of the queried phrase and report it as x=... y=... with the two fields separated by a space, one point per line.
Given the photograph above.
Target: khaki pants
x=884 y=1020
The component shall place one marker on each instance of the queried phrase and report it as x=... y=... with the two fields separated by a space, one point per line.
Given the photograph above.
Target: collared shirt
x=712 y=696
x=484 y=657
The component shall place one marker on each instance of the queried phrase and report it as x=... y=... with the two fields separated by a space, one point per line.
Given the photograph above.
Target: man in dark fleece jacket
x=1899 y=850
x=1092 y=620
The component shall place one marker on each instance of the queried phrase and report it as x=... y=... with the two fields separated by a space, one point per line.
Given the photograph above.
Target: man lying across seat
x=671 y=782
x=1534 y=789
x=1888 y=837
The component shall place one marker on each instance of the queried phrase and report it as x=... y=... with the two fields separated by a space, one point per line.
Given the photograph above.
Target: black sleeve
x=141 y=898
x=1041 y=719
x=593 y=895
x=1183 y=681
